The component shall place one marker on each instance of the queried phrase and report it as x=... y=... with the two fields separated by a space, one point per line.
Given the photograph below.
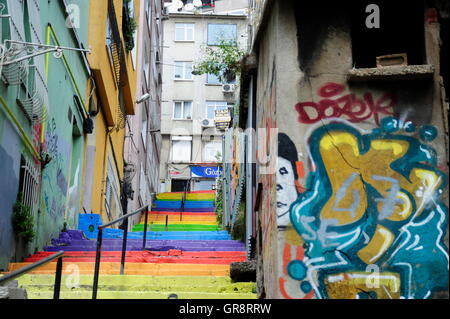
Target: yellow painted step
x=209 y=284
x=152 y=269
x=139 y=295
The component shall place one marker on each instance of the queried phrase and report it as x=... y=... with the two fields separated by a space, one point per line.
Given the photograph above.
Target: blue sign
x=206 y=171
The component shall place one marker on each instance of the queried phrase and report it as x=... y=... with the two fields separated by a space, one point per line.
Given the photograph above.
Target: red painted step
x=152 y=260
x=183 y=213
x=171 y=256
x=171 y=252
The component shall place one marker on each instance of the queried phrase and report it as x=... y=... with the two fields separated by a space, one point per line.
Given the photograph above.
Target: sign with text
x=222 y=119
x=206 y=171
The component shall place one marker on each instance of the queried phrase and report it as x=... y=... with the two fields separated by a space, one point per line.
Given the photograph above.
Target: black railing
x=57 y=288
x=124 y=245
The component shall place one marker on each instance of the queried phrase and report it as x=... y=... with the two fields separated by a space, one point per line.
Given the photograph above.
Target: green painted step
x=182 y=227
x=138 y=295
x=137 y=283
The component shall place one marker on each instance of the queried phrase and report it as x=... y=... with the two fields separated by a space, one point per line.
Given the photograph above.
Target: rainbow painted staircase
x=187 y=255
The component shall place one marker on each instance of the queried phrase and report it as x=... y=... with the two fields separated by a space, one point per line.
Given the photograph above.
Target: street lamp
x=143 y=98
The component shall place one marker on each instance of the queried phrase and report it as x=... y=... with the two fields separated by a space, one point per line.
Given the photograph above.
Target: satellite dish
x=178 y=4
x=197 y=3
x=189 y=7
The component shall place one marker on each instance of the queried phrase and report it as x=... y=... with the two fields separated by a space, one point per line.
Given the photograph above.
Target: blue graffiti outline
x=344 y=257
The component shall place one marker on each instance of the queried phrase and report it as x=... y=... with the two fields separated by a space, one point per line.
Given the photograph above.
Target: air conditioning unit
x=228 y=88
x=207 y=123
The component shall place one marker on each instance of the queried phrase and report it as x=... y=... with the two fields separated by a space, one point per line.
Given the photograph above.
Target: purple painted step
x=137 y=248
x=162 y=245
x=114 y=241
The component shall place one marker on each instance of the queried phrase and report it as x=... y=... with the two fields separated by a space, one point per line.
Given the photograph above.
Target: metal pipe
x=24 y=270
x=122 y=218
x=124 y=247
x=167 y=221
x=57 y=288
x=145 y=229
x=97 y=262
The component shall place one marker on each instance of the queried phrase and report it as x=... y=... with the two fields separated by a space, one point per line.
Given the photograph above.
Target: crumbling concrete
x=392 y=72
x=11 y=290
x=243 y=271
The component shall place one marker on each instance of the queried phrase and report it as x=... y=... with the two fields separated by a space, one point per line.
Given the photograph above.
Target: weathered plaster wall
x=360 y=185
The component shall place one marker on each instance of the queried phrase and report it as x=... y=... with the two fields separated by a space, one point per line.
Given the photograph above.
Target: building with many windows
x=191 y=144
x=142 y=132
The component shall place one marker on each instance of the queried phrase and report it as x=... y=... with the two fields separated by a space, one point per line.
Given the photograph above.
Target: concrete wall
x=360 y=182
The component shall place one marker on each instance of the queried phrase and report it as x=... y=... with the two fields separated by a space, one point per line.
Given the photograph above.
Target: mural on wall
x=337 y=103
x=53 y=177
x=371 y=221
x=289 y=173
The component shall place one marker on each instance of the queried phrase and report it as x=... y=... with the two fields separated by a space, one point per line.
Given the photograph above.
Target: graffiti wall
x=357 y=206
x=372 y=220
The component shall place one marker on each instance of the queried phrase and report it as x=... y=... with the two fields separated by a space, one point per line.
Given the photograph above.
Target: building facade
x=43 y=118
x=191 y=144
x=348 y=168
x=112 y=90
x=142 y=137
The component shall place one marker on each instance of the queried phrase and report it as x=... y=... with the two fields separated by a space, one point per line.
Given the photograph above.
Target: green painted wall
x=67 y=77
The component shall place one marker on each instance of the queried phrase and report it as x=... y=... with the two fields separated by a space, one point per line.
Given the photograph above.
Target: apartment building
x=191 y=143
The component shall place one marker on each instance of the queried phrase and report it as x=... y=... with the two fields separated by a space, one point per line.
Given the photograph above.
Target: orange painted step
x=177 y=218
x=174 y=256
x=150 y=269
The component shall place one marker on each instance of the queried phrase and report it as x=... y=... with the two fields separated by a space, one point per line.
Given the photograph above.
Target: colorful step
x=138 y=287
x=150 y=269
x=190 y=257
x=120 y=294
x=171 y=256
x=182 y=227
x=200 y=195
x=208 y=284
x=171 y=218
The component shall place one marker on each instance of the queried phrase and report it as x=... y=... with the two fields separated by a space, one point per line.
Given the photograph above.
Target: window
x=146 y=65
x=181 y=148
x=212 y=151
x=182 y=110
x=212 y=106
x=184 y=32
x=183 y=70
x=29 y=177
x=144 y=125
x=218 y=32
x=109 y=36
x=112 y=199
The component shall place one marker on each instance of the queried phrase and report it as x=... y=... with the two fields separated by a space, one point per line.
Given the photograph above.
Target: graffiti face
x=286 y=178
x=286 y=191
x=372 y=212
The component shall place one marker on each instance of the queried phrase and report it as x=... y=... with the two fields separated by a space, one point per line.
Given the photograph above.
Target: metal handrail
x=124 y=245
x=26 y=269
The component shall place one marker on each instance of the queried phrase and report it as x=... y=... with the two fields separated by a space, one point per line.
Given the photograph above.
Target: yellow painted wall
x=112 y=143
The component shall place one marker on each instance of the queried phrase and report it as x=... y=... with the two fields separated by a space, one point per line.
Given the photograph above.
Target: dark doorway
x=180 y=185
